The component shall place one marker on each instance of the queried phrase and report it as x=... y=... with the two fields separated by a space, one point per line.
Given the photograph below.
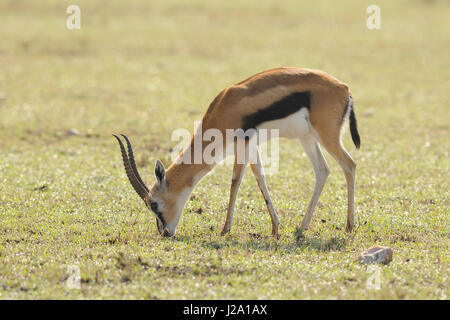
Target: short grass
x=146 y=68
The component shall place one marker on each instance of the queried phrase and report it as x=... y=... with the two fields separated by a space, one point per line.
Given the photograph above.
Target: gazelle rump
x=304 y=104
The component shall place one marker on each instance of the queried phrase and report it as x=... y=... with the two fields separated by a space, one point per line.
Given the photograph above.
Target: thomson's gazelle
x=304 y=104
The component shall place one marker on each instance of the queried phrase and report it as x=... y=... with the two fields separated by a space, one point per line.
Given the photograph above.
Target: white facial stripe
x=181 y=201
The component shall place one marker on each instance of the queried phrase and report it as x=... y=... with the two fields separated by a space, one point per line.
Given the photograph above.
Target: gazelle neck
x=184 y=174
x=181 y=179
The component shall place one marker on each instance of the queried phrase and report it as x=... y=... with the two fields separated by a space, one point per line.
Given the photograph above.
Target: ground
x=146 y=68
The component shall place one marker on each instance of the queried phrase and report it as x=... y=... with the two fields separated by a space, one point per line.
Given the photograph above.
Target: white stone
x=376 y=254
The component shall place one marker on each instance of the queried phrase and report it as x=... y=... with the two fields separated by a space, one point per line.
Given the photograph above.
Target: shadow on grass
x=267 y=243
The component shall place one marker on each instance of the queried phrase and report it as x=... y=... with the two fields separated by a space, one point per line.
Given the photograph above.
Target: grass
x=147 y=68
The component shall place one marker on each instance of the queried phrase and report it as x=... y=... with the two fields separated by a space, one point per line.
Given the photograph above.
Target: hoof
x=349 y=228
x=275 y=234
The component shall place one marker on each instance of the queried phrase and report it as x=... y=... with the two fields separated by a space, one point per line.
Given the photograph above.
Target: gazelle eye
x=154 y=206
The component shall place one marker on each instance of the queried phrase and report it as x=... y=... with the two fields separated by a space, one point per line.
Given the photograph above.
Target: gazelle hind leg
x=238 y=174
x=321 y=170
x=258 y=172
x=337 y=150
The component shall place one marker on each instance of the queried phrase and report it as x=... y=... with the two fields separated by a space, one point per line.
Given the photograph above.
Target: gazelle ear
x=160 y=173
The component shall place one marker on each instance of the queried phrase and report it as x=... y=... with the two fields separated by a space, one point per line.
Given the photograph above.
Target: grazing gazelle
x=304 y=104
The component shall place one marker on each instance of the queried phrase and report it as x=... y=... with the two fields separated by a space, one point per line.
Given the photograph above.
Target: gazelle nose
x=167 y=233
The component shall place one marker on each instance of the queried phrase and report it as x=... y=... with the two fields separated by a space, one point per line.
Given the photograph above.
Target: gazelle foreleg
x=258 y=172
x=321 y=171
x=238 y=174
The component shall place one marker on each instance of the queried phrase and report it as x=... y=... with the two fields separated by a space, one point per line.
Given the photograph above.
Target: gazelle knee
x=322 y=174
x=348 y=166
x=326 y=170
x=351 y=168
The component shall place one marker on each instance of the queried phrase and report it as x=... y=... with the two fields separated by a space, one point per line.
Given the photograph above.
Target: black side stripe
x=278 y=110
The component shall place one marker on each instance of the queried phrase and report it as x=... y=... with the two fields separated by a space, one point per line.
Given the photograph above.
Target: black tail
x=353 y=128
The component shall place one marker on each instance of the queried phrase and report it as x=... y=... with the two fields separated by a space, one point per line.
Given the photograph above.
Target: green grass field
x=146 y=68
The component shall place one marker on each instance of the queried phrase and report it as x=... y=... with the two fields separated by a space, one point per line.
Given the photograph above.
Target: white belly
x=294 y=126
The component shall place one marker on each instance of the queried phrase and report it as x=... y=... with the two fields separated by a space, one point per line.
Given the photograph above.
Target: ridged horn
x=131 y=170
x=133 y=163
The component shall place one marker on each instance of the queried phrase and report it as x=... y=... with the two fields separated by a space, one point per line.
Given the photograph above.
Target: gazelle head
x=158 y=198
